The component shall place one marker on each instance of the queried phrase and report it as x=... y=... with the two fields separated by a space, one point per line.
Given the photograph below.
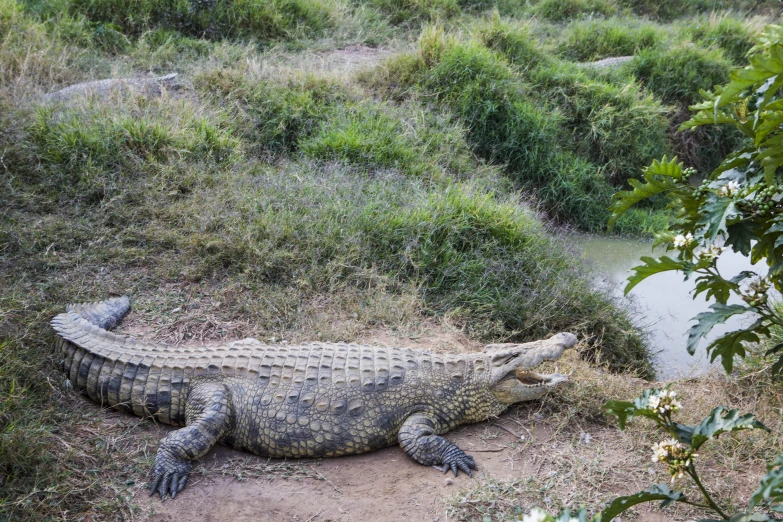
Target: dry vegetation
x=282 y=193
x=574 y=455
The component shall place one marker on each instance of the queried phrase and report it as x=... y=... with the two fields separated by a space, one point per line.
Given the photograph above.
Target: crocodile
x=290 y=401
x=613 y=61
x=152 y=86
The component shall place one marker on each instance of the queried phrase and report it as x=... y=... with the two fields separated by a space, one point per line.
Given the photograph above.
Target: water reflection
x=665 y=299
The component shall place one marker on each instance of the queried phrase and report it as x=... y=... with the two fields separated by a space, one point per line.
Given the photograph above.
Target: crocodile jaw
x=511 y=378
x=522 y=385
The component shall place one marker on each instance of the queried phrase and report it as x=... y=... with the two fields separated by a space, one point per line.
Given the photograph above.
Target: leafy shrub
x=592 y=40
x=562 y=10
x=678 y=453
x=738 y=205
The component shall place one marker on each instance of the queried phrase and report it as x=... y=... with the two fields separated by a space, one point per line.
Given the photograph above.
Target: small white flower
x=729 y=189
x=535 y=515
x=712 y=252
x=654 y=402
x=681 y=241
x=660 y=452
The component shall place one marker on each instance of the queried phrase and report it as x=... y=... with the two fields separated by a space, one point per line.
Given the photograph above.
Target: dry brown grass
x=576 y=456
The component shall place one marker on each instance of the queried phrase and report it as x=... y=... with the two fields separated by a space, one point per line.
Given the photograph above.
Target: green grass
x=615 y=125
x=563 y=10
x=504 y=127
x=558 y=130
x=409 y=140
x=276 y=19
x=587 y=41
x=413 y=11
x=677 y=74
x=515 y=41
x=734 y=37
x=673 y=9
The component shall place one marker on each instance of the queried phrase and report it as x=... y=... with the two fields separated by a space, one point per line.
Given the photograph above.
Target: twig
x=326 y=480
x=314 y=516
x=518 y=437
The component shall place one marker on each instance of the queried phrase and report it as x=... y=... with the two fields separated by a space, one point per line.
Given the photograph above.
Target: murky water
x=664 y=300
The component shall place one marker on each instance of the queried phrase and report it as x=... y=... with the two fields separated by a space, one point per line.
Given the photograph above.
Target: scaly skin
x=151 y=86
x=311 y=400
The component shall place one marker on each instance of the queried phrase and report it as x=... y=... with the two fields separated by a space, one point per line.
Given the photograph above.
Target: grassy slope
x=298 y=204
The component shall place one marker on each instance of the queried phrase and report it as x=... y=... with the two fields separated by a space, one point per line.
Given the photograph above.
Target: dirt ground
x=382 y=486
x=386 y=485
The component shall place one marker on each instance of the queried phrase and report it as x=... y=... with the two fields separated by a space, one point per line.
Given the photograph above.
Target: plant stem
x=696 y=504
x=692 y=472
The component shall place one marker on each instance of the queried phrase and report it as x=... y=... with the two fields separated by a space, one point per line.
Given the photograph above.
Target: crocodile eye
x=501 y=359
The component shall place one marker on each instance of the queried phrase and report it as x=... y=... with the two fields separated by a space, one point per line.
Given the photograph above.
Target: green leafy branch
x=739 y=206
x=679 y=453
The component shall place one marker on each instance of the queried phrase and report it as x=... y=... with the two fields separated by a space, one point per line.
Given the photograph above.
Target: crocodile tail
x=104 y=314
x=114 y=370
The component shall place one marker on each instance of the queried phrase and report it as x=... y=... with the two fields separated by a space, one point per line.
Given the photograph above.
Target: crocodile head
x=511 y=377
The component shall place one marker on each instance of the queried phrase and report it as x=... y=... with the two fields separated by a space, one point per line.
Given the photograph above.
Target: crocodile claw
x=169 y=475
x=456 y=460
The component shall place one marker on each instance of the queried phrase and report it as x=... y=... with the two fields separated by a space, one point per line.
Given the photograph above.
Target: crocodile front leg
x=419 y=440
x=206 y=420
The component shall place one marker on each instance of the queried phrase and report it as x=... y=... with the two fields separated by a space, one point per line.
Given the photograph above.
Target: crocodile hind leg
x=418 y=437
x=207 y=415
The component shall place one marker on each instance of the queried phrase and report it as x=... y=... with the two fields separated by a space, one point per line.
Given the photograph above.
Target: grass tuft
x=734 y=37
x=563 y=10
x=590 y=40
x=416 y=11
x=677 y=74
x=615 y=125
x=514 y=41
x=504 y=127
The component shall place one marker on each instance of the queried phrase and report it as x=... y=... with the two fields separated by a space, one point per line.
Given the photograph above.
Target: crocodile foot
x=455 y=459
x=169 y=474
